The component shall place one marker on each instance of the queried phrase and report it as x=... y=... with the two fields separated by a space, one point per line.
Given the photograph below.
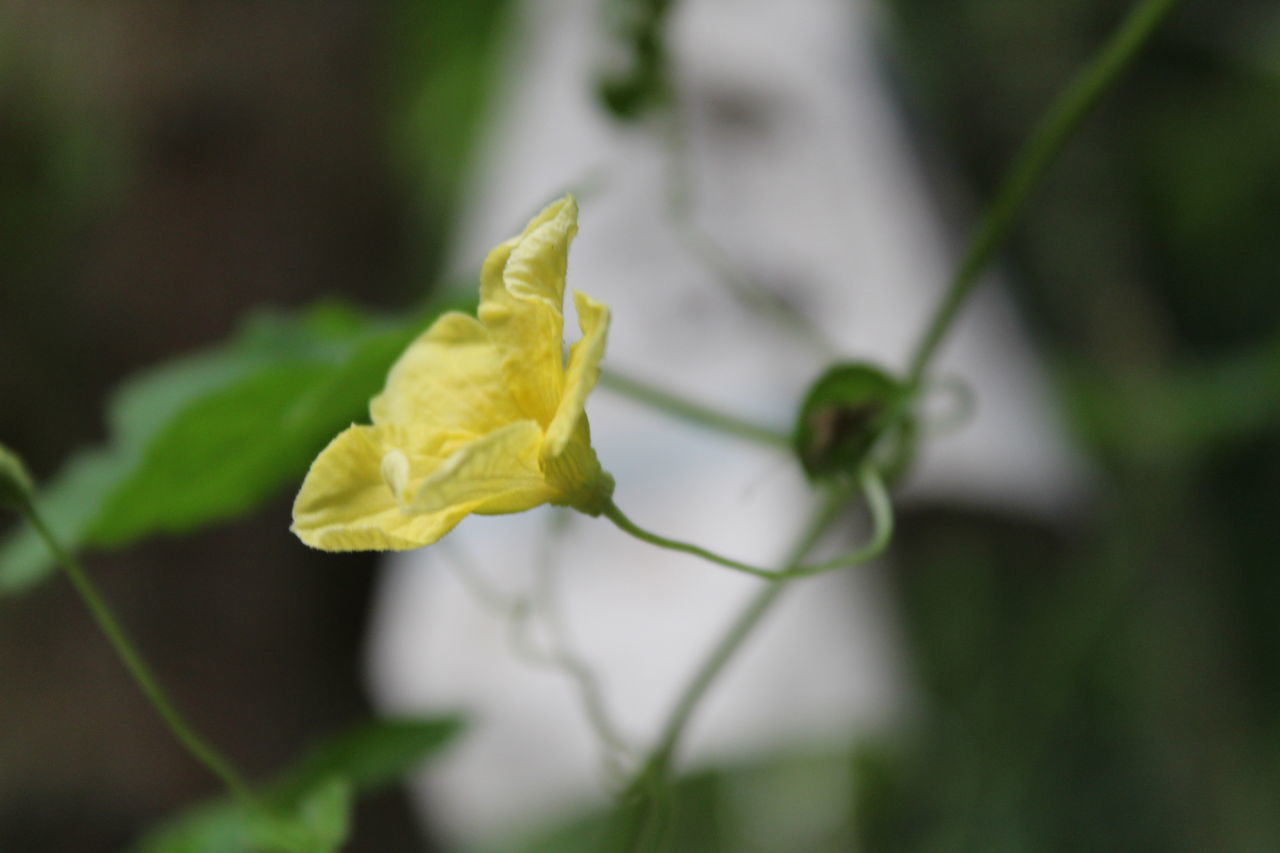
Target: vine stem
x=882 y=531
x=691 y=412
x=1029 y=165
x=137 y=667
x=1032 y=161
x=641 y=797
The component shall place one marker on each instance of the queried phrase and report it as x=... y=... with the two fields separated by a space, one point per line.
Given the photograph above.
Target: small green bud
x=851 y=412
x=15 y=483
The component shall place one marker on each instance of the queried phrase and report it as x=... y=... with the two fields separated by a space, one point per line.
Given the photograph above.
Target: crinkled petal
x=521 y=299
x=495 y=474
x=347 y=504
x=477 y=416
x=581 y=374
x=451 y=379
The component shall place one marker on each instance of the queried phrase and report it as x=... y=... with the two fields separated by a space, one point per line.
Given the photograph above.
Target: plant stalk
x=1030 y=164
x=137 y=667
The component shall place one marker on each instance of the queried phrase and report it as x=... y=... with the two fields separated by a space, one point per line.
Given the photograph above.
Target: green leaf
x=326 y=812
x=213 y=435
x=1185 y=411
x=224 y=451
x=370 y=755
x=642 y=84
x=772 y=802
x=138 y=409
x=320 y=822
x=220 y=455
x=309 y=805
x=217 y=827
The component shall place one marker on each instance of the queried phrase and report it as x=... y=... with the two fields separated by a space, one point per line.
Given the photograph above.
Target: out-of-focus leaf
x=212 y=435
x=641 y=83
x=220 y=455
x=140 y=407
x=320 y=823
x=310 y=803
x=1181 y=413
x=442 y=60
x=218 y=827
x=327 y=813
x=774 y=803
x=371 y=755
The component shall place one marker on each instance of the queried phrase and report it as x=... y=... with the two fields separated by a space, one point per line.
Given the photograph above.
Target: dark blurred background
x=164 y=168
x=1118 y=688
x=1112 y=683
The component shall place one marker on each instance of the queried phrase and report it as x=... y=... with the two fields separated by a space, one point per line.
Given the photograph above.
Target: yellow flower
x=477 y=416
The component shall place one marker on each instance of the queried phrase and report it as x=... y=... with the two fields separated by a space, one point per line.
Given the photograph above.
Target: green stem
x=694 y=413
x=1030 y=164
x=882 y=530
x=133 y=662
x=642 y=797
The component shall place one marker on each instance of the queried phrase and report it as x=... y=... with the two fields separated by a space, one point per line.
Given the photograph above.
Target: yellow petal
x=581 y=375
x=477 y=416
x=451 y=379
x=555 y=223
x=346 y=504
x=495 y=474
x=521 y=298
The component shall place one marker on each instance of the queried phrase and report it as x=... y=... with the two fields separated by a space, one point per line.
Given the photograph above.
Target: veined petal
x=477 y=416
x=347 y=504
x=580 y=376
x=554 y=226
x=494 y=474
x=451 y=379
x=521 y=298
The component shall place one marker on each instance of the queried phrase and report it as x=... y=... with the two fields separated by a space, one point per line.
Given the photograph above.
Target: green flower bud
x=853 y=411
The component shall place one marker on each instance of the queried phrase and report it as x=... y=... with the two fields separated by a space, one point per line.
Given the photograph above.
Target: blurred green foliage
x=443 y=60
x=309 y=803
x=642 y=81
x=782 y=802
x=208 y=436
x=212 y=435
x=1111 y=683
